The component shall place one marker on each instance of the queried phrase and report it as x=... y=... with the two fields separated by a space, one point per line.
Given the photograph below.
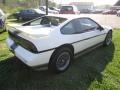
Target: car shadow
x=84 y=70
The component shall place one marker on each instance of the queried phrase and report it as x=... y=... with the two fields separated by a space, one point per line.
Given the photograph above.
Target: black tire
x=62 y=56
x=108 y=39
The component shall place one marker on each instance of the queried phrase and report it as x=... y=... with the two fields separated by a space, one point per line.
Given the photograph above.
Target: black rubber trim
x=88 y=38
x=47 y=50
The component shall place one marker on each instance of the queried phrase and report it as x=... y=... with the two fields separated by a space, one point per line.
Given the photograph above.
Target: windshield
x=47 y=21
x=67 y=8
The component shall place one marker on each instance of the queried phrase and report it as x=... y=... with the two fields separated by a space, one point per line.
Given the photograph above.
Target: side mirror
x=100 y=28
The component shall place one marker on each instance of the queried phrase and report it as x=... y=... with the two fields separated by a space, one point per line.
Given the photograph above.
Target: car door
x=93 y=31
x=83 y=33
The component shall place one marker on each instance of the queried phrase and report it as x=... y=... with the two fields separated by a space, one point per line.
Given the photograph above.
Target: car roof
x=67 y=16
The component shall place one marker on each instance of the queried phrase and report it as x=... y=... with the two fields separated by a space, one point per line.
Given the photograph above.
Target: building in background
x=84 y=7
x=116 y=6
x=118 y=3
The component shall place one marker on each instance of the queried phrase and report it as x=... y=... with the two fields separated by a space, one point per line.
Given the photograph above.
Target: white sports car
x=53 y=40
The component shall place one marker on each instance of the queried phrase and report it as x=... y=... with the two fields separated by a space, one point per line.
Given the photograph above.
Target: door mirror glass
x=100 y=28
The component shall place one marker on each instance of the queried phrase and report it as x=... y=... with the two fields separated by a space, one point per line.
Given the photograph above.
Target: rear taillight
x=23 y=42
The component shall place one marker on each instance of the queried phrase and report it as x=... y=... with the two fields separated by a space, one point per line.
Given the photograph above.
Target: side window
x=68 y=29
x=70 y=8
x=41 y=8
x=86 y=24
x=31 y=11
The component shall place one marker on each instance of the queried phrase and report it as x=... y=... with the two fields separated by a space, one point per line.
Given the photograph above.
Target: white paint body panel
x=50 y=38
x=29 y=58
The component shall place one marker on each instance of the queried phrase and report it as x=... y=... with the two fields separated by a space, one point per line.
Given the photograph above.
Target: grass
x=98 y=70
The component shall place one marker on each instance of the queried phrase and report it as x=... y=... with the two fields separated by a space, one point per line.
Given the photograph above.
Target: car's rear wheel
x=108 y=39
x=61 y=60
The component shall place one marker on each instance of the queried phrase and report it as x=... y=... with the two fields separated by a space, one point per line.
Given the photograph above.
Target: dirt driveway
x=111 y=20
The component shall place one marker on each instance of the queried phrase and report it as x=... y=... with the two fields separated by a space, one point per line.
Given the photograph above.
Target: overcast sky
x=96 y=2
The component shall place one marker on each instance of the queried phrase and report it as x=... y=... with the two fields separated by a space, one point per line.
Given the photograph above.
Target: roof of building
x=118 y=3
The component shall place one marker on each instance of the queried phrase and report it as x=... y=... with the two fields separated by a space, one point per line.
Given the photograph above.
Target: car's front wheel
x=61 y=60
x=108 y=39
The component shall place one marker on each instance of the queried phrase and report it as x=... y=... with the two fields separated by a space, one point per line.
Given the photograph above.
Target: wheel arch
x=63 y=46
x=66 y=45
x=110 y=30
x=51 y=63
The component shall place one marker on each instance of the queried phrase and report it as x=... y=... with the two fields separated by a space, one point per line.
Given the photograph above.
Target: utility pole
x=39 y=2
x=46 y=7
x=44 y=3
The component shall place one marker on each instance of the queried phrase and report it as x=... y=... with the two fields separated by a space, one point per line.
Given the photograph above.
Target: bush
x=10 y=11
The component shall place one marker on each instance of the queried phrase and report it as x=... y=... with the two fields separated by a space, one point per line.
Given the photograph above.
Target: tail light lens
x=23 y=42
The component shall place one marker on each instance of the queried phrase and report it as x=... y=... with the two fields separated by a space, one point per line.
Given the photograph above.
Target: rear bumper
x=29 y=58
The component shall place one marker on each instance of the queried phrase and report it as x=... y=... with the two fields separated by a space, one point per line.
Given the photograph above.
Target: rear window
x=47 y=21
x=67 y=8
x=41 y=8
